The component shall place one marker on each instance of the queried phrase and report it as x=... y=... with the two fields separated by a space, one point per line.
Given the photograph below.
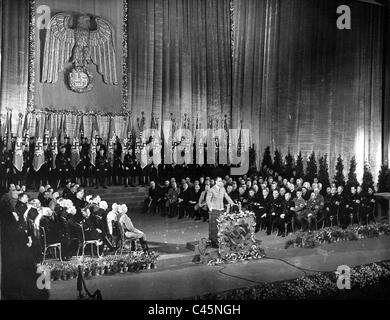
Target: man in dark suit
x=153 y=199
x=276 y=209
x=185 y=207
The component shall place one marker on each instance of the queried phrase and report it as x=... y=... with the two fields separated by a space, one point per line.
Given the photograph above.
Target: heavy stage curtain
x=294 y=79
x=180 y=59
x=300 y=83
x=14 y=56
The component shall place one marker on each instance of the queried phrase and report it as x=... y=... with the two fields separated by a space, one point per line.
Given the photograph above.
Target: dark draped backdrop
x=300 y=83
x=179 y=59
x=14 y=55
x=293 y=78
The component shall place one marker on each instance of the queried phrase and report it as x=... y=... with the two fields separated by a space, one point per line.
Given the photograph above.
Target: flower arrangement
x=236 y=240
x=336 y=234
x=91 y=199
x=369 y=280
x=67 y=205
x=110 y=264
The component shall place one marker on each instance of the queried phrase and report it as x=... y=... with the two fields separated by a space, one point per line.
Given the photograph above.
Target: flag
x=18 y=152
x=155 y=144
x=62 y=133
x=9 y=130
x=39 y=157
x=126 y=128
x=111 y=140
x=46 y=132
x=81 y=127
x=54 y=141
x=5 y=128
x=75 y=156
x=94 y=132
x=26 y=132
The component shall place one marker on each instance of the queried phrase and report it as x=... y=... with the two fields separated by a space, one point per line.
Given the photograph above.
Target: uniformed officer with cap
x=102 y=169
x=63 y=165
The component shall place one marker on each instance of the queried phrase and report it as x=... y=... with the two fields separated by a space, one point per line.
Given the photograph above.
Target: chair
x=124 y=241
x=91 y=243
x=56 y=246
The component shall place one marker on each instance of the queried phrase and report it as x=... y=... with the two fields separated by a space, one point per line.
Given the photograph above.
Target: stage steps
x=133 y=197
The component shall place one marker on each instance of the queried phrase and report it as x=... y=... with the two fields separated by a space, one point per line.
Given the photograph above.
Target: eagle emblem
x=79 y=40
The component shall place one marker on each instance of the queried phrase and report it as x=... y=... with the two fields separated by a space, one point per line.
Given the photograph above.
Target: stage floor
x=171 y=235
x=189 y=280
x=178 y=277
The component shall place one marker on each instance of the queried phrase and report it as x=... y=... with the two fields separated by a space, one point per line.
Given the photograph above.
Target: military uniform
x=153 y=175
x=3 y=171
x=68 y=149
x=264 y=211
x=354 y=202
x=83 y=169
x=137 y=171
x=63 y=167
x=117 y=166
x=128 y=169
x=102 y=170
x=288 y=214
x=301 y=212
x=9 y=167
x=27 y=165
x=343 y=211
x=368 y=208
x=273 y=218
x=332 y=209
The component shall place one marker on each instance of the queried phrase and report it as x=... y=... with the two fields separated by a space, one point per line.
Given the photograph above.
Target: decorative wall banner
x=125 y=64
x=97 y=22
x=70 y=38
x=31 y=56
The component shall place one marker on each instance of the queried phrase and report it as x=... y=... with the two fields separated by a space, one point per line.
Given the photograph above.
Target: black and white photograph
x=214 y=152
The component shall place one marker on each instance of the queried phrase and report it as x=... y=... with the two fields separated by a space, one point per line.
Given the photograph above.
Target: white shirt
x=111 y=216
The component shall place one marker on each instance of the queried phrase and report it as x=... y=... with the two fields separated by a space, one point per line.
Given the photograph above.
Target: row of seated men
x=124 y=169
x=89 y=220
x=276 y=205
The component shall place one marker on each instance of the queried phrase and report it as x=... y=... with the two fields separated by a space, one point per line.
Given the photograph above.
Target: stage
x=178 y=277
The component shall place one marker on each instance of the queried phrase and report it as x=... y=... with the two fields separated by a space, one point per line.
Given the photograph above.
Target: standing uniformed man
x=128 y=168
x=3 y=169
x=117 y=164
x=9 y=156
x=102 y=169
x=83 y=169
x=101 y=144
x=137 y=171
x=68 y=147
x=63 y=166
x=45 y=171
x=343 y=206
x=368 y=206
x=354 y=203
x=332 y=207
